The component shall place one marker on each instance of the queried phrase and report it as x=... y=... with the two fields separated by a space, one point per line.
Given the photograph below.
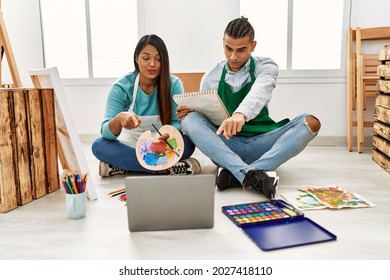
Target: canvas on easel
x=70 y=151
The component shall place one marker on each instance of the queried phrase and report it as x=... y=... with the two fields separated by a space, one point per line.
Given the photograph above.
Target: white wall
x=198 y=27
x=22 y=22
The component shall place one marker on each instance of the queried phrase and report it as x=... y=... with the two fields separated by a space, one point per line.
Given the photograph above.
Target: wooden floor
x=41 y=229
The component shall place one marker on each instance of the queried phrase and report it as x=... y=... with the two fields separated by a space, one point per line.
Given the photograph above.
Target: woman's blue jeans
x=265 y=151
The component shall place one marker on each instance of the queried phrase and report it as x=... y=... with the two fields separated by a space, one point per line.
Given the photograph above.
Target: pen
x=166 y=141
x=118 y=193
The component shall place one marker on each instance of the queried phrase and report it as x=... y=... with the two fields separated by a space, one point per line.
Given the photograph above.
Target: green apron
x=262 y=122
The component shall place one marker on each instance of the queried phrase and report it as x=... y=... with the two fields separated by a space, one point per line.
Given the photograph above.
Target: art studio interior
x=63 y=65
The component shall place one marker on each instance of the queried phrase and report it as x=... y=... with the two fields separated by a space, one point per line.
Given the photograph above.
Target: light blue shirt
x=266 y=73
x=120 y=97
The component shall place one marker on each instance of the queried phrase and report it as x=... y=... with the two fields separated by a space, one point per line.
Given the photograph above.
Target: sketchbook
x=206 y=102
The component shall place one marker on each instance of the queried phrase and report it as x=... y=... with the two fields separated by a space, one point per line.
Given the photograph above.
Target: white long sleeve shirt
x=266 y=73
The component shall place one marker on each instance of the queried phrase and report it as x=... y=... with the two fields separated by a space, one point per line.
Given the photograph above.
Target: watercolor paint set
x=275 y=224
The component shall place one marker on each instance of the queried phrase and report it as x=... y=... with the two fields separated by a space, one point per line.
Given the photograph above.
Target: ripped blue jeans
x=265 y=151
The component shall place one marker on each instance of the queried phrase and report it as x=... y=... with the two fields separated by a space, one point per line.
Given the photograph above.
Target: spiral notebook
x=206 y=102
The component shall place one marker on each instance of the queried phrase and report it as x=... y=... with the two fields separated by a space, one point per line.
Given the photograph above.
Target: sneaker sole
x=101 y=168
x=198 y=167
x=276 y=181
x=189 y=167
x=275 y=185
x=195 y=164
x=271 y=173
x=271 y=191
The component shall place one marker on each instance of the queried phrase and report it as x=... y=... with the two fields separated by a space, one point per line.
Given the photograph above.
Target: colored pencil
x=66 y=186
x=116 y=191
x=74 y=183
x=79 y=184
x=84 y=182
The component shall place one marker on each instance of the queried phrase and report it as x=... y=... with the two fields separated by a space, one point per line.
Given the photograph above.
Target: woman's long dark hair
x=164 y=80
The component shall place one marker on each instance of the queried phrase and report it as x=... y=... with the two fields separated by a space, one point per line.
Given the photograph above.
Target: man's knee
x=313 y=123
x=184 y=122
x=187 y=121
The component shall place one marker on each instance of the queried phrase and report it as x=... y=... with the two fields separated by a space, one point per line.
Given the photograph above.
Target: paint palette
x=275 y=224
x=155 y=154
x=260 y=212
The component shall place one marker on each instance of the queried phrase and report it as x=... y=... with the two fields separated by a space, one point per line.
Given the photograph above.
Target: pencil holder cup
x=76 y=205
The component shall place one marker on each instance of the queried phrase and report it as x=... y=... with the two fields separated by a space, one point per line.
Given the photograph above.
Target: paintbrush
x=166 y=141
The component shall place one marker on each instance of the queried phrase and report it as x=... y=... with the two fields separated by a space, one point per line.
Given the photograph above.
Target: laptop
x=170 y=202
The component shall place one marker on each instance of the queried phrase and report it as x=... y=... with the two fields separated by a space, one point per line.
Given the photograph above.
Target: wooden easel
x=5 y=47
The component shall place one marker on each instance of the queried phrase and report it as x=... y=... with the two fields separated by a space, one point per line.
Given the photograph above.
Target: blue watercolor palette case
x=275 y=224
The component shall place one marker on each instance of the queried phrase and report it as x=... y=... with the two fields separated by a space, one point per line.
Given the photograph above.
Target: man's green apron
x=262 y=122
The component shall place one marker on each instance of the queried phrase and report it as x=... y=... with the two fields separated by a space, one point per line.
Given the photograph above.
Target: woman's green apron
x=262 y=122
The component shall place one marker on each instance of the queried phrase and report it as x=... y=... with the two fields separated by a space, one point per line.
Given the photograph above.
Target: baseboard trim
x=338 y=141
x=329 y=141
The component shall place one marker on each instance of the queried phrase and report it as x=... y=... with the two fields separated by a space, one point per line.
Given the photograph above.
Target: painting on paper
x=335 y=197
x=302 y=200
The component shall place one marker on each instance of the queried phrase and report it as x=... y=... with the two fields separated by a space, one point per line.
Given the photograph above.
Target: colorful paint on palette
x=259 y=212
x=157 y=153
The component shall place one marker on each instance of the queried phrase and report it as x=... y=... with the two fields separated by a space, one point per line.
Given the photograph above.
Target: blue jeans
x=123 y=156
x=265 y=151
